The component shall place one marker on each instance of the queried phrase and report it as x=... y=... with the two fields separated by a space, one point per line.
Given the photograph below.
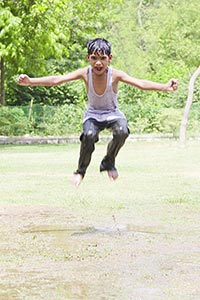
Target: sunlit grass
x=153 y=173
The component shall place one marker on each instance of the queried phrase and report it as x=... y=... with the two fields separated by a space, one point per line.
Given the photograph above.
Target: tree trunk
x=139 y=14
x=187 y=107
x=2 y=96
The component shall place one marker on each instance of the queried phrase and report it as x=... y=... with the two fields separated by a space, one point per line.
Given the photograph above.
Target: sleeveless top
x=102 y=107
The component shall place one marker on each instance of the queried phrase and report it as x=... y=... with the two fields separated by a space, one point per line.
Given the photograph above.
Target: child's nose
x=98 y=62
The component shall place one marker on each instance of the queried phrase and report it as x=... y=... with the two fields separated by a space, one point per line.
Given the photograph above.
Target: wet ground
x=48 y=253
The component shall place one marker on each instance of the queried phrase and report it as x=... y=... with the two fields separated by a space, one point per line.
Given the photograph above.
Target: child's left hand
x=172 y=84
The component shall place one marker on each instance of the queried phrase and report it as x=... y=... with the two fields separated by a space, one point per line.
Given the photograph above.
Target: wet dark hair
x=99 y=45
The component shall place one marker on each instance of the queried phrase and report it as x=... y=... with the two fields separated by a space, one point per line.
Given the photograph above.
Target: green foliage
x=10 y=26
x=13 y=121
x=170 y=120
x=178 y=35
x=60 y=120
x=73 y=93
x=67 y=119
x=156 y=40
x=166 y=42
x=44 y=30
x=124 y=33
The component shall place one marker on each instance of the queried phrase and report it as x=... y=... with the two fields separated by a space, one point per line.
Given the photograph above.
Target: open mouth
x=98 y=69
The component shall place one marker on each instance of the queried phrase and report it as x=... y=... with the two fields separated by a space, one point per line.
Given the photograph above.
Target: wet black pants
x=90 y=136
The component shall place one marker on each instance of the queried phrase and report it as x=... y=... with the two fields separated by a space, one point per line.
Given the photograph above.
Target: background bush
x=67 y=119
x=13 y=121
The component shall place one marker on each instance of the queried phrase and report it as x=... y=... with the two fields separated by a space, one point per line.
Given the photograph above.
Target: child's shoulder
x=117 y=74
x=82 y=72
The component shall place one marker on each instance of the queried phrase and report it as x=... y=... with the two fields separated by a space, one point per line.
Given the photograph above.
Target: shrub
x=58 y=120
x=13 y=121
x=143 y=117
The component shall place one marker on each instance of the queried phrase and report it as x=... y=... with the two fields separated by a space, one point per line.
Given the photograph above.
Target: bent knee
x=89 y=136
x=122 y=132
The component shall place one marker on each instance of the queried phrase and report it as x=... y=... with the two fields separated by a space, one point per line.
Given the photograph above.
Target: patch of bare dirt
x=48 y=253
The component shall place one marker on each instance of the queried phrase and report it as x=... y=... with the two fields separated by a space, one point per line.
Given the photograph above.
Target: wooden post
x=30 y=110
x=184 y=121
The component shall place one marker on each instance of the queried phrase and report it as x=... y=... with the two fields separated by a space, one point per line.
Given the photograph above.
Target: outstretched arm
x=171 y=85
x=51 y=80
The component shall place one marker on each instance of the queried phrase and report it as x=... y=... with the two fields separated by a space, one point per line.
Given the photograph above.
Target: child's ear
x=110 y=57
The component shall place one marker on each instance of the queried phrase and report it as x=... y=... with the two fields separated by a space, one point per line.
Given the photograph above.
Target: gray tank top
x=102 y=107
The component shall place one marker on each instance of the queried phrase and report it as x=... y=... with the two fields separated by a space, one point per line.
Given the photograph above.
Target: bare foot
x=113 y=174
x=76 y=180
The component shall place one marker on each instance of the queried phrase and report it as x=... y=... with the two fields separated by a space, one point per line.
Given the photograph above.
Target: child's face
x=99 y=62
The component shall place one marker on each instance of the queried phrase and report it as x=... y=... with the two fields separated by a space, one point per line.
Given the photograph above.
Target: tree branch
x=187 y=107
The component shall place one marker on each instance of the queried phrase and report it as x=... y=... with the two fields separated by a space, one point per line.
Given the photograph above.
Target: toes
x=76 y=180
x=113 y=174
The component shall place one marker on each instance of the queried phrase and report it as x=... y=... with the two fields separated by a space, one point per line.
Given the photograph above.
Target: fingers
x=22 y=76
x=23 y=79
x=174 y=83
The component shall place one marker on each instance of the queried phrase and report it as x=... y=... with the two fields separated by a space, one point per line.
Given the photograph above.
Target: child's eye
x=93 y=57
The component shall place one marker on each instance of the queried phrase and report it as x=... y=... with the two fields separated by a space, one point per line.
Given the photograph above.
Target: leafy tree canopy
x=150 y=38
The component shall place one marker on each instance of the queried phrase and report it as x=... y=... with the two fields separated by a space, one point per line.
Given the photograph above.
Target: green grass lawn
x=150 y=172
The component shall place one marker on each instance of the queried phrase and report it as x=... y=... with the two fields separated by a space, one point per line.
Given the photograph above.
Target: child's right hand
x=23 y=79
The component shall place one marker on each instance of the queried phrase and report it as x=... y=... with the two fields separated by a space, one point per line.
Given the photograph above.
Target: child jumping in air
x=101 y=83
